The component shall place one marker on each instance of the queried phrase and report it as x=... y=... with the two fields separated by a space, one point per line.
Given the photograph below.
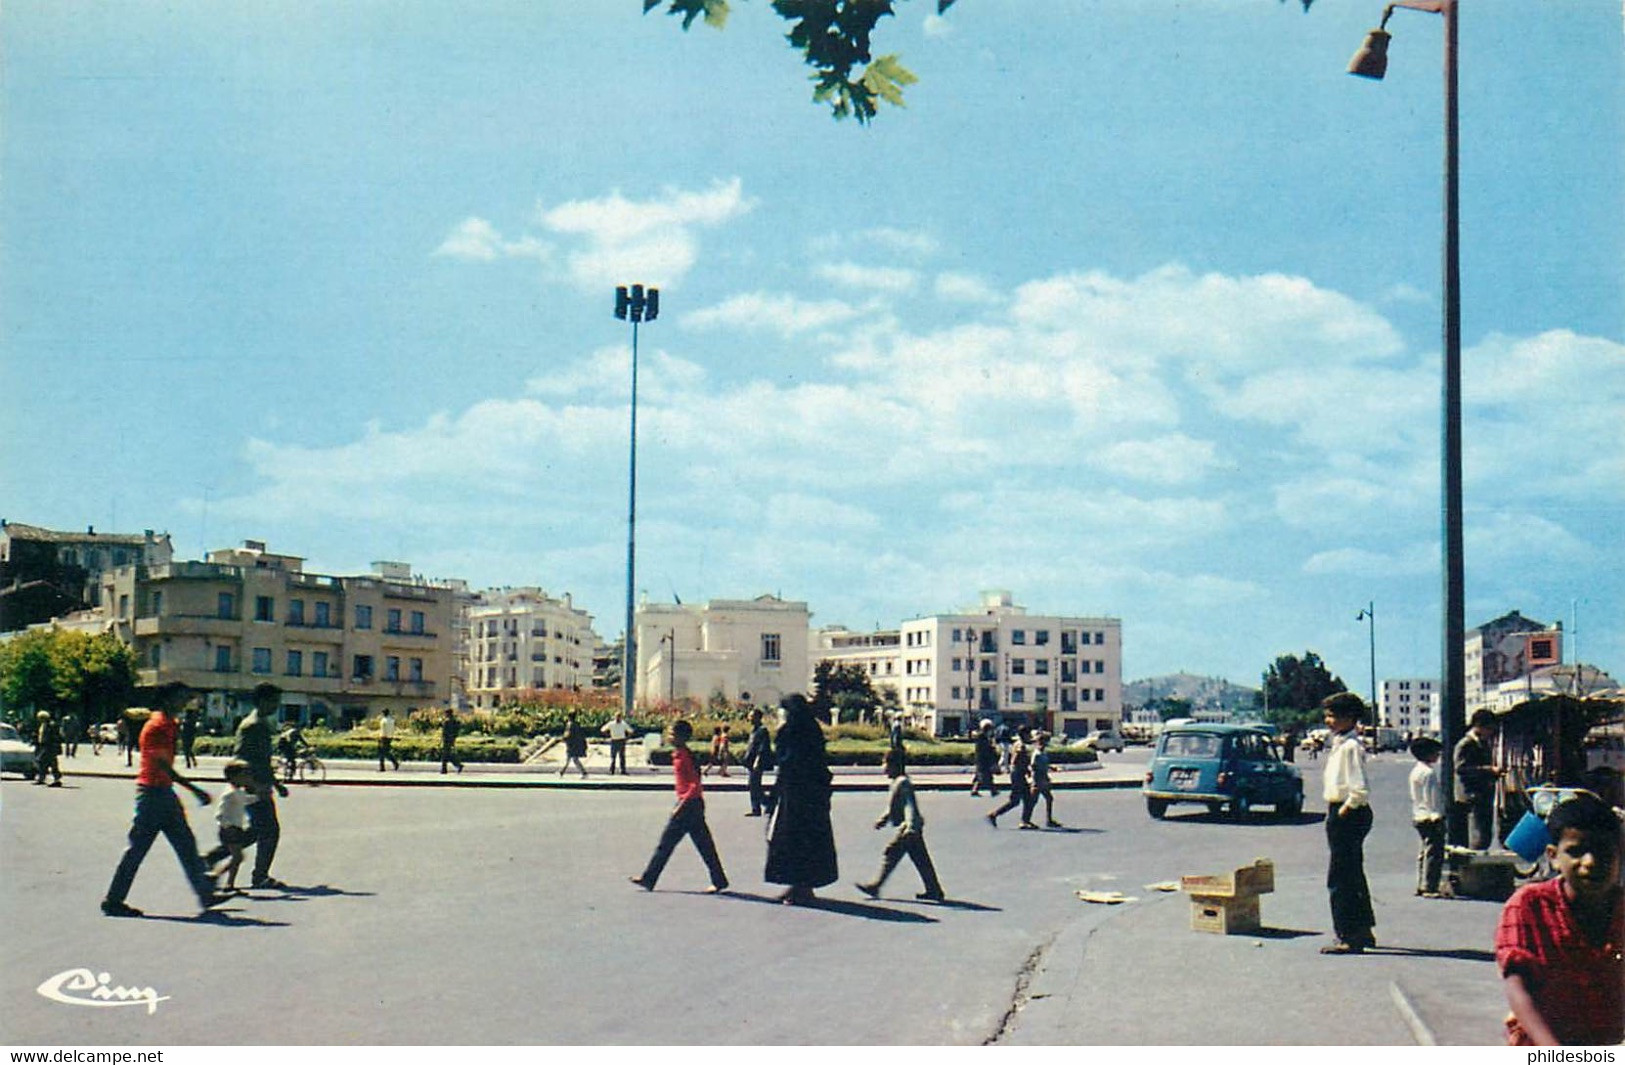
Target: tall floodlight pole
x=1369 y=615
x=1371 y=61
x=636 y=305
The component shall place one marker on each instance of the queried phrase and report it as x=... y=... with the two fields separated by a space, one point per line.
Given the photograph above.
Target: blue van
x=1234 y=767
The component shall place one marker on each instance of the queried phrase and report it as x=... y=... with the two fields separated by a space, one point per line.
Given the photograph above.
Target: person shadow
x=844 y=907
x=297 y=893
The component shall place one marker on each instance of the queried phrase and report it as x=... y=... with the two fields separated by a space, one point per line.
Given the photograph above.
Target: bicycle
x=303 y=767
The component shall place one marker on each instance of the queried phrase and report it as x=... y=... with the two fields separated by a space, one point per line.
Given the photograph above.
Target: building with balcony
x=521 y=639
x=47 y=573
x=340 y=648
x=878 y=654
x=1506 y=649
x=741 y=650
x=1410 y=704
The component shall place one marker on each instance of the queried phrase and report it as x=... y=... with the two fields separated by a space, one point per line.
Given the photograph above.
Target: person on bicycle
x=292 y=746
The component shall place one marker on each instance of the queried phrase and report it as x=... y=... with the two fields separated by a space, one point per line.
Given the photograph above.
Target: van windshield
x=1191 y=745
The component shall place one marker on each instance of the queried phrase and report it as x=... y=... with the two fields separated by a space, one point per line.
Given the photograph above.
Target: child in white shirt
x=1427 y=814
x=232 y=816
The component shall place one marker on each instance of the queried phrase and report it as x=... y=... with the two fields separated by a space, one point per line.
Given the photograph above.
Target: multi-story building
x=743 y=650
x=523 y=638
x=997 y=661
x=340 y=648
x=878 y=654
x=47 y=573
x=1578 y=680
x=1504 y=650
x=1410 y=704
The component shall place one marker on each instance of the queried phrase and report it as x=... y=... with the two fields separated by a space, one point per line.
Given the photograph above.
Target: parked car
x=15 y=755
x=1234 y=767
x=1104 y=740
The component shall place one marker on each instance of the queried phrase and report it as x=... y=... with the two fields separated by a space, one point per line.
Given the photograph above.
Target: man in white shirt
x=1348 y=821
x=386 y=740
x=617 y=730
x=1427 y=814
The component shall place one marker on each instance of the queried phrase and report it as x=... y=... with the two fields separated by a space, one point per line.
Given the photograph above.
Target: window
x=1100 y=638
x=318 y=663
x=770 y=647
x=324 y=615
x=222 y=659
x=361 y=667
x=124 y=606
x=363 y=616
x=1041 y=694
x=1018 y=636
x=1041 y=637
x=157 y=603
x=392 y=622
x=958 y=665
x=262 y=660
x=296 y=663
x=392 y=667
x=417 y=622
x=1018 y=695
x=414 y=671
x=296 y=612
x=264 y=608
x=955 y=694
x=155 y=656
x=225 y=605
x=957 y=635
x=1041 y=667
x=1083 y=695
x=1100 y=695
x=1069 y=643
x=1018 y=665
x=536 y=678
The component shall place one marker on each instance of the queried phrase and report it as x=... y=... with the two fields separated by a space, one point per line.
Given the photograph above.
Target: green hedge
x=408 y=747
x=844 y=751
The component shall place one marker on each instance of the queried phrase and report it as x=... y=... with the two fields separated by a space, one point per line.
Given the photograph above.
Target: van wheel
x=1290 y=808
x=1156 y=807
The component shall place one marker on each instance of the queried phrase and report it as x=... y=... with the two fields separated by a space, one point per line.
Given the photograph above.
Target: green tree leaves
x=1294 y=687
x=57 y=670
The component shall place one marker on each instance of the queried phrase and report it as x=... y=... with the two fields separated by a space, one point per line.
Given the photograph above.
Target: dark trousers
x=983 y=778
x=1019 y=796
x=386 y=750
x=188 y=758
x=1033 y=795
x=617 y=754
x=1473 y=822
x=761 y=800
x=448 y=753
x=1352 y=918
x=267 y=830
x=1430 y=859
x=46 y=764
x=910 y=844
x=687 y=820
x=158 y=810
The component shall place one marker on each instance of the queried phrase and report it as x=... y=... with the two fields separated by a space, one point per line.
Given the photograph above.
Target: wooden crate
x=1225 y=916
x=1249 y=880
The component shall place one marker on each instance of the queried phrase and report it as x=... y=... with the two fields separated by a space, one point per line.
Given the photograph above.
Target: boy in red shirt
x=158 y=809
x=688 y=819
x=1559 y=943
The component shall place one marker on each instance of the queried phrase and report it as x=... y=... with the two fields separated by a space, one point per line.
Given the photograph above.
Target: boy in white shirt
x=232 y=816
x=1427 y=814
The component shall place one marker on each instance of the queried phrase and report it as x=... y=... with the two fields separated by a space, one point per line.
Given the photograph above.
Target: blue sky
x=1134 y=310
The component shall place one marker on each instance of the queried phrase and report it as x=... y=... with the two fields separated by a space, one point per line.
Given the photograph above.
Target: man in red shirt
x=158 y=809
x=1560 y=942
x=688 y=819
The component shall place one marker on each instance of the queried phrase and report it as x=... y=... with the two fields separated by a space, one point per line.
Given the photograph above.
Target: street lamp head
x=622 y=302
x=1371 y=61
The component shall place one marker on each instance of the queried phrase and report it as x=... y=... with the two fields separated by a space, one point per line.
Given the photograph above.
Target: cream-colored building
x=1410 y=704
x=996 y=661
x=340 y=648
x=878 y=654
x=521 y=639
x=743 y=650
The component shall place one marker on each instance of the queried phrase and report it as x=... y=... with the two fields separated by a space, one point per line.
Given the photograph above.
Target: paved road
x=450 y=915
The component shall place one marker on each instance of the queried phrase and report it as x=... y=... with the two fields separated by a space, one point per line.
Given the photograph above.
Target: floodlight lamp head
x=621 y=302
x=1371 y=61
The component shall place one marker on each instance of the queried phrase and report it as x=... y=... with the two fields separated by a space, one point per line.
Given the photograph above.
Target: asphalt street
x=450 y=914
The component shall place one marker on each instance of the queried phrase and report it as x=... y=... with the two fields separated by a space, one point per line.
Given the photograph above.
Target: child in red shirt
x=1560 y=941
x=688 y=819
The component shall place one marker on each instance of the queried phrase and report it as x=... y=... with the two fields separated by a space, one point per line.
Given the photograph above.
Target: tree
x=842 y=692
x=1294 y=688
x=26 y=678
x=833 y=38
x=50 y=669
x=1169 y=707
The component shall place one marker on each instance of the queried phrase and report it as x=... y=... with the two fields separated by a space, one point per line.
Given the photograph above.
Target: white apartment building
x=878 y=654
x=521 y=639
x=997 y=661
x=743 y=650
x=1410 y=704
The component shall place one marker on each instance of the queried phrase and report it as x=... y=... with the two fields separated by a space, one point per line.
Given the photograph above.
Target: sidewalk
x=545 y=774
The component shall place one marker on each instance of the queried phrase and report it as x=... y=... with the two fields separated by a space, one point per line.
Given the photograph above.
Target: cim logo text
x=81 y=987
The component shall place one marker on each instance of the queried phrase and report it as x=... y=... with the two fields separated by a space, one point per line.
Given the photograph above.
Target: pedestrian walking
x=1427 y=814
x=1473 y=811
x=687 y=818
x=1005 y=739
x=189 y=737
x=448 y=741
x=1559 y=943
x=232 y=818
x=757 y=760
x=720 y=755
x=986 y=759
x=158 y=809
x=386 y=740
x=47 y=748
x=1020 y=784
x=1347 y=791
x=96 y=740
x=1041 y=787
x=617 y=730
x=903 y=810
x=254 y=746
x=801 y=843
x=575 y=745
x=126 y=739
x=72 y=727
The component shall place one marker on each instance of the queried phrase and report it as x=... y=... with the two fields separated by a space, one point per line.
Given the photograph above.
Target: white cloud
x=1404 y=561
x=888 y=279
x=477 y=239
x=964 y=288
x=782 y=314
x=1171 y=459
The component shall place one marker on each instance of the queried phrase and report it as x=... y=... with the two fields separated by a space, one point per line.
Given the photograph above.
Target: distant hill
x=1205 y=693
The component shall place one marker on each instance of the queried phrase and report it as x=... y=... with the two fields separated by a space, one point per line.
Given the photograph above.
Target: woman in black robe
x=801 y=845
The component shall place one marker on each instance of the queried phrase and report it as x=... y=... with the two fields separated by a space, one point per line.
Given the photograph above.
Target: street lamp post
x=1369 y=615
x=637 y=305
x=1371 y=61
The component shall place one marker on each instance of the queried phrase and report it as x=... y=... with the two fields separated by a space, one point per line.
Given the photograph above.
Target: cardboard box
x=1249 y=880
x=1225 y=916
